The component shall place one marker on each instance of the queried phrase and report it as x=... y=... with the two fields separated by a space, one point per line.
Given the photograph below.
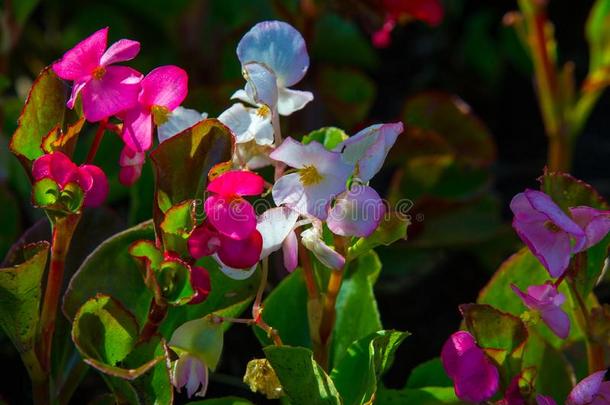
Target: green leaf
x=567 y=191
x=392 y=228
x=202 y=338
x=20 y=294
x=523 y=270
x=44 y=110
x=359 y=372
x=303 y=380
x=178 y=221
x=110 y=269
x=355 y=297
x=420 y=396
x=22 y=10
x=330 y=137
x=174 y=280
x=429 y=374
x=182 y=163
x=222 y=401
x=598 y=34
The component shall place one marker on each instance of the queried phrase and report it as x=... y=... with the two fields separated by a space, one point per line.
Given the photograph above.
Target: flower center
x=263 y=111
x=160 y=114
x=310 y=176
x=99 y=72
x=551 y=227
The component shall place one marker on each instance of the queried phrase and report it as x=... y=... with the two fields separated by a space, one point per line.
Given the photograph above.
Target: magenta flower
x=163 y=89
x=475 y=378
x=59 y=168
x=592 y=390
x=550 y=234
x=106 y=90
x=201 y=283
x=595 y=223
x=547 y=301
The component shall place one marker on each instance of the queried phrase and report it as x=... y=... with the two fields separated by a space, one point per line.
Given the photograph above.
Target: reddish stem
x=97 y=140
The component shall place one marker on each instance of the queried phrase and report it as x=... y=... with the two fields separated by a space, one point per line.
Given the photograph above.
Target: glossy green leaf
x=419 y=396
x=222 y=401
x=302 y=379
x=330 y=137
x=359 y=372
x=110 y=269
x=429 y=374
x=202 y=338
x=44 y=109
x=392 y=228
x=178 y=221
x=20 y=295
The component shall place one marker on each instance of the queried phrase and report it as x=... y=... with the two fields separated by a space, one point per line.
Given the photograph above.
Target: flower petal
x=55 y=166
x=203 y=241
x=279 y=46
x=247 y=124
x=237 y=182
x=121 y=51
x=544 y=400
x=165 y=86
x=233 y=273
x=79 y=62
x=97 y=191
x=201 y=283
x=261 y=84
x=76 y=89
x=131 y=163
x=241 y=254
x=312 y=240
x=453 y=349
x=137 y=129
x=275 y=225
x=290 y=250
x=290 y=101
x=232 y=217
x=356 y=212
x=179 y=120
x=116 y=91
x=557 y=320
x=369 y=148
x=585 y=391
x=596 y=223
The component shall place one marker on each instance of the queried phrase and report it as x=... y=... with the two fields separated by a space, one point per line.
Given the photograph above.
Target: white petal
x=262 y=84
x=369 y=148
x=180 y=119
x=312 y=240
x=277 y=45
x=275 y=225
x=297 y=155
x=235 y=274
x=290 y=101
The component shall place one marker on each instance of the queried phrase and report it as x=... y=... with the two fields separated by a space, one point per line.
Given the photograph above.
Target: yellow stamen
x=99 y=72
x=310 y=176
x=263 y=111
x=160 y=114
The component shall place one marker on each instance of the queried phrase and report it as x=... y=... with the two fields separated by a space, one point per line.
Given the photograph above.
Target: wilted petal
x=596 y=223
x=79 y=62
x=179 y=120
x=231 y=216
x=248 y=124
x=165 y=86
x=203 y=241
x=137 y=129
x=241 y=254
x=312 y=240
x=237 y=182
x=290 y=101
x=369 y=148
x=121 y=51
x=278 y=46
x=261 y=84
x=275 y=225
x=356 y=212
x=586 y=390
x=290 y=250
x=116 y=91
x=97 y=191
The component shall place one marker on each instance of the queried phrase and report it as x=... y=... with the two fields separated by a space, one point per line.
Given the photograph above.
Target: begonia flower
x=179 y=120
x=551 y=235
x=475 y=378
x=547 y=300
x=595 y=223
x=201 y=283
x=276 y=226
x=356 y=212
x=59 y=168
x=321 y=175
x=591 y=390
x=163 y=89
x=190 y=372
x=280 y=48
x=106 y=90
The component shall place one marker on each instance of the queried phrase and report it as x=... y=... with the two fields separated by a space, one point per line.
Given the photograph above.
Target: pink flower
x=547 y=301
x=106 y=90
x=200 y=281
x=131 y=163
x=592 y=390
x=550 y=234
x=595 y=223
x=59 y=168
x=191 y=372
x=163 y=89
x=475 y=378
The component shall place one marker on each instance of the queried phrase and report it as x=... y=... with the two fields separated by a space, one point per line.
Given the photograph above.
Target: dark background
x=471 y=54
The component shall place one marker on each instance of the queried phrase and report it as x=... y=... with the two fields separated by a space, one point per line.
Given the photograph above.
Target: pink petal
x=97 y=191
x=557 y=320
x=544 y=204
x=237 y=182
x=241 y=254
x=513 y=396
x=356 y=212
x=544 y=400
x=55 y=166
x=596 y=223
x=231 y=216
x=203 y=241
x=603 y=395
x=382 y=37
x=585 y=391
x=131 y=163
x=290 y=249
x=76 y=89
x=128 y=175
x=165 y=86
x=79 y=62
x=121 y=51
x=137 y=129
x=116 y=91
x=201 y=283
x=453 y=349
